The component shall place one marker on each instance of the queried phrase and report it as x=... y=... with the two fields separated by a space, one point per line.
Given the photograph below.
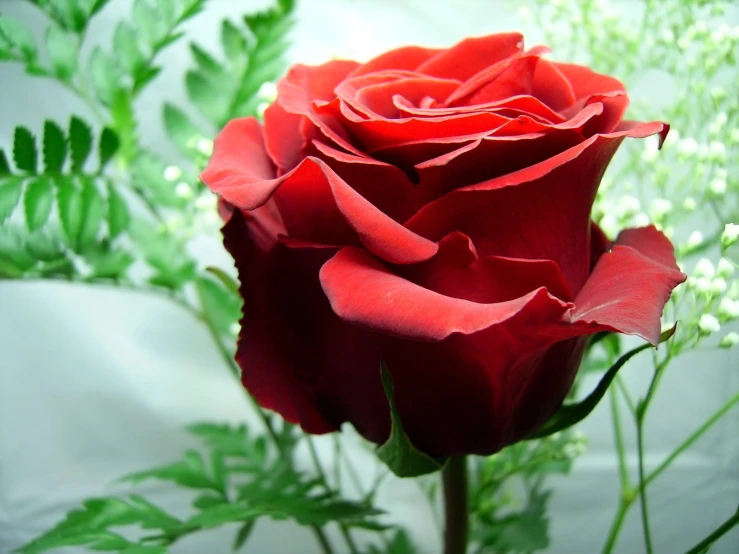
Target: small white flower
x=717 y=150
x=673 y=138
x=641 y=219
x=268 y=91
x=687 y=146
x=708 y=324
x=724 y=268
x=704 y=268
x=718 y=285
x=718 y=93
x=234 y=329
x=729 y=340
x=628 y=205
x=183 y=190
x=730 y=235
x=172 y=173
x=689 y=205
x=695 y=239
x=667 y=35
x=659 y=208
x=206 y=202
x=718 y=186
x=204 y=146
x=702 y=285
x=609 y=225
x=174 y=222
x=728 y=308
x=524 y=13
x=651 y=149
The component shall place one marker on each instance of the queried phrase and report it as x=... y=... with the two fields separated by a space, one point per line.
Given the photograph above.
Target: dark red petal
x=305 y=84
x=515 y=79
x=282 y=137
x=472 y=55
x=457 y=272
x=552 y=87
x=630 y=285
x=240 y=169
x=539 y=212
x=364 y=292
x=408 y=58
x=586 y=82
x=318 y=206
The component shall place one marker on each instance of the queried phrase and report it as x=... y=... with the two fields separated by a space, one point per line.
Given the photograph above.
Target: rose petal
x=282 y=138
x=630 y=285
x=552 y=87
x=305 y=84
x=364 y=292
x=586 y=82
x=514 y=79
x=539 y=212
x=470 y=56
x=408 y=58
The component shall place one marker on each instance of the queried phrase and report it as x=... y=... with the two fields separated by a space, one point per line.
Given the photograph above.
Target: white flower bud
x=689 y=205
x=724 y=269
x=708 y=324
x=660 y=208
x=183 y=190
x=730 y=235
x=728 y=308
x=718 y=186
x=204 y=146
x=704 y=268
x=206 y=202
x=268 y=91
x=718 y=285
x=628 y=205
x=717 y=150
x=172 y=173
x=641 y=219
x=729 y=340
x=687 y=146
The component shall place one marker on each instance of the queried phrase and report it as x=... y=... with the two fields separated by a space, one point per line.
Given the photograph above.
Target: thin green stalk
x=720 y=531
x=618 y=521
x=687 y=443
x=642 y=489
x=322 y=476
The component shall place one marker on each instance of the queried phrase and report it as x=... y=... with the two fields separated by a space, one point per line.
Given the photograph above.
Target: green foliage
x=399 y=544
x=403 y=459
x=63 y=48
x=236 y=481
x=16 y=40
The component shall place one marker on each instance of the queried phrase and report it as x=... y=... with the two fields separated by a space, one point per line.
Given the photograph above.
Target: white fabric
x=96 y=383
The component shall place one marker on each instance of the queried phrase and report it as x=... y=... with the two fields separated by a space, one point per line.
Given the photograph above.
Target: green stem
x=720 y=531
x=642 y=489
x=322 y=540
x=322 y=476
x=687 y=443
x=456 y=512
x=624 y=500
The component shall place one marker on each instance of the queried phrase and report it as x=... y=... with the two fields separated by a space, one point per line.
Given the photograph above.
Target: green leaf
x=108 y=146
x=105 y=75
x=525 y=531
x=148 y=173
x=216 y=516
x=149 y=22
x=190 y=472
x=208 y=500
x=242 y=535
x=403 y=459
x=233 y=42
x=205 y=95
x=80 y=142
x=43 y=246
x=63 y=51
x=37 y=202
x=399 y=544
x=4 y=165
x=14 y=259
x=69 y=204
x=25 y=154
x=109 y=263
x=18 y=35
x=231 y=441
x=118 y=215
x=97 y=6
x=10 y=193
x=93 y=209
x=220 y=306
x=126 y=46
x=209 y=67
x=226 y=280
x=165 y=254
x=571 y=414
x=180 y=129
x=54 y=147
x=121 y=111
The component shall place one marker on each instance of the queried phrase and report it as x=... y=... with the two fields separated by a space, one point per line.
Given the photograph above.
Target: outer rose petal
x=406 y=58
x=282 y=138
x=364 y=292
x=304 y=84
x=586 y=82
x=552 y=87
x=630 y=285
x=472 y=55
x=539 y=212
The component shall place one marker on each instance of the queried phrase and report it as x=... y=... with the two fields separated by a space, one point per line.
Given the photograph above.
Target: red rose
x=431 y=209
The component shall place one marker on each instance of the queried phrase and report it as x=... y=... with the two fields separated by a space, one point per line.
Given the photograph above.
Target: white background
x=96 y=383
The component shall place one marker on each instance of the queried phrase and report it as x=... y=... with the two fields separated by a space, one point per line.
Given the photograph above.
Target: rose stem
x=454 y=479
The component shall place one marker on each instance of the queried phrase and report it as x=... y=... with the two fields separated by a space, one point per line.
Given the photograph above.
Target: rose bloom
x=430 y=209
